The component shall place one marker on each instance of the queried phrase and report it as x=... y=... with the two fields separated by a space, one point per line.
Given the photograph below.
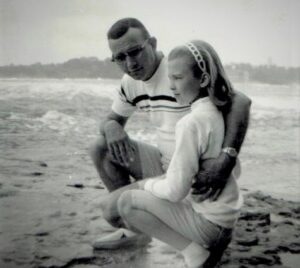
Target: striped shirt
x=155 y=98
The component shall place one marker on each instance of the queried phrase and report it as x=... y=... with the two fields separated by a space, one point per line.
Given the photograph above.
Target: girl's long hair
x=220 y=89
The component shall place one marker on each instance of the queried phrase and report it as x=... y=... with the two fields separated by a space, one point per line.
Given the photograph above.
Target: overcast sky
x=254 y=31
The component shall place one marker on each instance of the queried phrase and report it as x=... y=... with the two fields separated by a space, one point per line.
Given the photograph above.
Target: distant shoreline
x=93 y=68
x=41 y=79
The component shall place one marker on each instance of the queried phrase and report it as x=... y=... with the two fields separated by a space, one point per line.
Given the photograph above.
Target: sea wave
x=47 y=118
x=53 y=89
x=57 y=121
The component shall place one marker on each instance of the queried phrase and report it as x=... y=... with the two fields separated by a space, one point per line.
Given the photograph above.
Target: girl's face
x=185 y=86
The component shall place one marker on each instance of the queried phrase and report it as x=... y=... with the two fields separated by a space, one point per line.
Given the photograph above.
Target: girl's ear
x=205 y=79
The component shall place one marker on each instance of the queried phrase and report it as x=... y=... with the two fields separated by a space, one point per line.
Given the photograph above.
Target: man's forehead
x=131 y=38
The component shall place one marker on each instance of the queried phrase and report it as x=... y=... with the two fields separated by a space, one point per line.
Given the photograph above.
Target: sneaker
x=121 y=238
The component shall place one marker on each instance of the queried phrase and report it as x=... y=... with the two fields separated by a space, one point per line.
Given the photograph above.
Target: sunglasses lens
x=135 y=52
x=132 y=53
x=120 y=57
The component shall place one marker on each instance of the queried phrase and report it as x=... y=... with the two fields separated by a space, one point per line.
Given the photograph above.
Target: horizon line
x=108 y=58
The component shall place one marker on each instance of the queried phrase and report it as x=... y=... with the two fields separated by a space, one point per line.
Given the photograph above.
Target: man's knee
x=105 y=210
x=98 y=149
x=110 y=214
x=125 y=204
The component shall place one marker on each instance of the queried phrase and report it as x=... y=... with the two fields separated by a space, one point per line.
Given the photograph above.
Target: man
x=145 y=86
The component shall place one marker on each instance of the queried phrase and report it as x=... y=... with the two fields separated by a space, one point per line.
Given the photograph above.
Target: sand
x=56 y=229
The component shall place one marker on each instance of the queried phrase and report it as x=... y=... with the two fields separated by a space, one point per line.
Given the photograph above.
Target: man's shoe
x=121 y=238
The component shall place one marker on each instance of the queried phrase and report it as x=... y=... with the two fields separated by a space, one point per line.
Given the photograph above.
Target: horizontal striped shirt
x=154 y=97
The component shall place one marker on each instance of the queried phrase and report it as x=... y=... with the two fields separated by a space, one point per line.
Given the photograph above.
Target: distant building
x=237 y=75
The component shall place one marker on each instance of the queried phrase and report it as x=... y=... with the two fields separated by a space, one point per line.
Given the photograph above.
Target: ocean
x=52 y=123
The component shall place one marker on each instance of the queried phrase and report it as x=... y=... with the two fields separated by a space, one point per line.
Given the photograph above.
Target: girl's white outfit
x=199 y=135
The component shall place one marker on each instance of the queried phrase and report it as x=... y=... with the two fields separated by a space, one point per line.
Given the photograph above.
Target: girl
x=164 y=207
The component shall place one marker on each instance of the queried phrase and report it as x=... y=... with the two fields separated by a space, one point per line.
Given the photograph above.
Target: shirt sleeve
x=183 y=167
x=121 y=103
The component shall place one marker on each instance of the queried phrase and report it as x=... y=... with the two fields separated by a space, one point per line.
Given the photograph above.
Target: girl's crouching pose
x=164 y=208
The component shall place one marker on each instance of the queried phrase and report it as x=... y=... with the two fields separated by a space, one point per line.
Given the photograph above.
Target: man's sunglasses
x=121 y=57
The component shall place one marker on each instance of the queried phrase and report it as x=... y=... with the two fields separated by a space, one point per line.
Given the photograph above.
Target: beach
x=50 y=192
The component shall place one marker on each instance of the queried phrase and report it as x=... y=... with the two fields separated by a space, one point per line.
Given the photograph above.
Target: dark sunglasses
x=121 y=57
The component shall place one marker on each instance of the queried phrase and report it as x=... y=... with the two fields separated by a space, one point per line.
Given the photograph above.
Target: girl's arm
x=183 y=167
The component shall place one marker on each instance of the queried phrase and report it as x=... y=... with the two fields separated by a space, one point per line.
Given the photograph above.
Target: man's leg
x=113 y=175
x=146 y=163
x=116 y=178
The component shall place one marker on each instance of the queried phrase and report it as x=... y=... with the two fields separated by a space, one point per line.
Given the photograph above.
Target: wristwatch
x=230 y=151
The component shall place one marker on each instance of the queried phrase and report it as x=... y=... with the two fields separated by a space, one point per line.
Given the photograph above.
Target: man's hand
x=212 y=177
x=118 y=143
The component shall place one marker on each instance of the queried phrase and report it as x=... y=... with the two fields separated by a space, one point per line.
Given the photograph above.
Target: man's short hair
x=119 y=28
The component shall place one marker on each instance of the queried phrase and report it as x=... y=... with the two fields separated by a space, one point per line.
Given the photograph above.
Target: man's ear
x=153 y=42
x=205 y=79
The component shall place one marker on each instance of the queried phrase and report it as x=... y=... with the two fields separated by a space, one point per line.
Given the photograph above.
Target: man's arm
x=236 y=121
x=112 y=127
x=112 y=116
x=215 y=172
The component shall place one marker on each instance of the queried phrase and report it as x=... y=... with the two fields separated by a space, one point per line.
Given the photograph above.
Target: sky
x=54 y=31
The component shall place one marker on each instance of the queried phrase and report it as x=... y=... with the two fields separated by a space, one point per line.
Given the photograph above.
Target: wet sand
x=55 y=229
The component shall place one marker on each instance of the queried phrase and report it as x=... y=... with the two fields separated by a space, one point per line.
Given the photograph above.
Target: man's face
x=134 y=54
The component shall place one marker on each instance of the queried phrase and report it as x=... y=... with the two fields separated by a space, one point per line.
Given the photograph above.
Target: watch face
x=231 y=151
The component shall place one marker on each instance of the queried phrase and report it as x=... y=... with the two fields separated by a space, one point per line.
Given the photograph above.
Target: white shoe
x=121 y=238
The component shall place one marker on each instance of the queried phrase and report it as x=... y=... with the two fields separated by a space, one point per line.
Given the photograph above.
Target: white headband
x=197 y=56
